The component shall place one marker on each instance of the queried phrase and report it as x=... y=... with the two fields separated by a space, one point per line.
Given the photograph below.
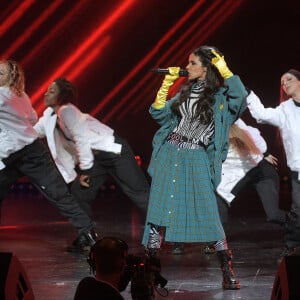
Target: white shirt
x=286 y=117
x=84 y=132
x=17 y=117
x=63 y=153
x=235 y=167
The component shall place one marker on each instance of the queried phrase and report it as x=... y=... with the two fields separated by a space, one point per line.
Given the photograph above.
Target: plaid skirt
x=182 y=197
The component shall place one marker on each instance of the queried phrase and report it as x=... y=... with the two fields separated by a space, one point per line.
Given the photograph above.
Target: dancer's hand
x=84 y=180
x=272 y=160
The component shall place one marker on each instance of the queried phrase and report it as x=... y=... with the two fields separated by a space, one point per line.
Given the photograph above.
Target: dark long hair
x=213 y=81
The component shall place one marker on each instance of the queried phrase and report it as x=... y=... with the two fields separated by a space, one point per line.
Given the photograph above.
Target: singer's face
x=195 y=68
x=51 y=95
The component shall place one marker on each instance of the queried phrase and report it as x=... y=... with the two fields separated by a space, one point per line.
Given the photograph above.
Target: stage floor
x=36 y=233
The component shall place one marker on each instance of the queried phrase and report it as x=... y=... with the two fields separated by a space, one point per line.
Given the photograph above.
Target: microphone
x=182 y=73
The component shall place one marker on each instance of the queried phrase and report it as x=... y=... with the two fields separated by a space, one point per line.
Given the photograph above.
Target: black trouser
x=34 y=161
x=295 y=206
x=292 y=236
x=265 y=180
x=124 y=169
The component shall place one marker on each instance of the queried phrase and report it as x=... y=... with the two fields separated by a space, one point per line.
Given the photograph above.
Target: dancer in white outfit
x=286 y=116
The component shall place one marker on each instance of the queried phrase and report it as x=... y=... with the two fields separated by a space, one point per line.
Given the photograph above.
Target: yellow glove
x=161 y=97
x=219 y=62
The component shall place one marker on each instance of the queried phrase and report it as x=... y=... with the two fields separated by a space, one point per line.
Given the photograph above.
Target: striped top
x=189 y=126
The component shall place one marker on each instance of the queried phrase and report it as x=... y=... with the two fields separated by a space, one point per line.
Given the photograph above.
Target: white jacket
x=16 y=123
x=65 y=159
x=286 y=117
x=234 y=168
x=80 y=134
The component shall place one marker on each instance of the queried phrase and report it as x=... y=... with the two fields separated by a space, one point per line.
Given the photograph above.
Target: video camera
x=144 y=274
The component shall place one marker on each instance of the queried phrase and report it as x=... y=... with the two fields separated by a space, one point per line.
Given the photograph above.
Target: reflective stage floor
x=36 y=233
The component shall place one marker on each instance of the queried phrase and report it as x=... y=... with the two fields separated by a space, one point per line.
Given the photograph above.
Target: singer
x=188 y=150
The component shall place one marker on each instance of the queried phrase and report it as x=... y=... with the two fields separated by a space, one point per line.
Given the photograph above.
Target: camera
x=144 y=274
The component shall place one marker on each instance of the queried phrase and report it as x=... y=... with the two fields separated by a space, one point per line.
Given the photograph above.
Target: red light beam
x=30 y=30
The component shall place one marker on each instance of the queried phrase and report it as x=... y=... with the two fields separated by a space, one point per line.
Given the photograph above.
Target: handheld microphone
x=182 y=73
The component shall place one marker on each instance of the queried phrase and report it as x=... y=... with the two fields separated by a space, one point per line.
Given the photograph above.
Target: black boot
x=229 y=281
x=84 y=242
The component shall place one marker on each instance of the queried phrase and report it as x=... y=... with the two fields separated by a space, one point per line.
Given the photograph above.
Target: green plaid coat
x=182 y=196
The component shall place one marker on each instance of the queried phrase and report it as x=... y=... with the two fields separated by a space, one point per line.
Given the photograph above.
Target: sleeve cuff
x=87 y=171
x=267 y=153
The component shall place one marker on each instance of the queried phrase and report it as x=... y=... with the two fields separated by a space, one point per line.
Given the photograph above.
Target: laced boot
x=229 y=281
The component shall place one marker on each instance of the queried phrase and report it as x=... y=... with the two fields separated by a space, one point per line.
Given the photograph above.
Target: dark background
x=259 y=38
